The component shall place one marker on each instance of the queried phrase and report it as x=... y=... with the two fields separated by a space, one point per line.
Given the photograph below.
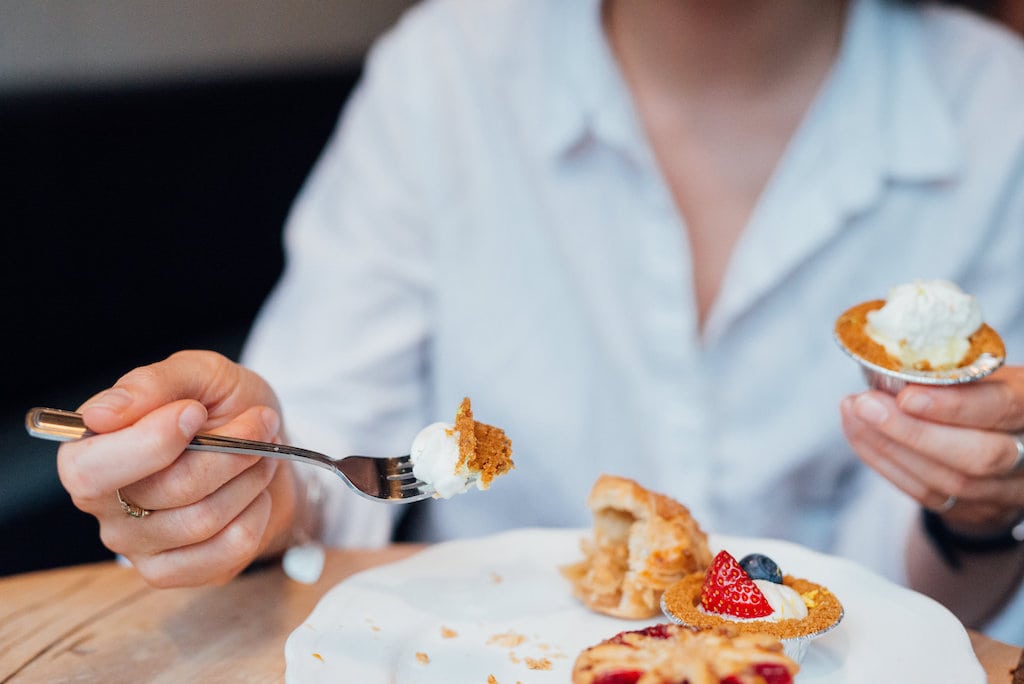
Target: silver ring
x=947 y=505
x=131 y=509
x=1018 y=465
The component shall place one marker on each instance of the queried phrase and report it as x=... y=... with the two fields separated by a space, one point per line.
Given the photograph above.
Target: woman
x=624 y=229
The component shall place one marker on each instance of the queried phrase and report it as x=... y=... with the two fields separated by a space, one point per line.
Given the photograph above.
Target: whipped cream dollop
x=926 y=322
x=435 y=461
x=786 y=603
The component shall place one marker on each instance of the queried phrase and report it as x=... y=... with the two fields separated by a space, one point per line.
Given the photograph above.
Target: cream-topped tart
x=925 y=325
x=754 y=596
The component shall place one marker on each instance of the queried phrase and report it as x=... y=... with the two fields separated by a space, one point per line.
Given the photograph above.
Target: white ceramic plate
x=460 y=611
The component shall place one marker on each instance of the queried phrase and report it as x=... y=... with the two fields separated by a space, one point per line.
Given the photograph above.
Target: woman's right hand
x=210 y=514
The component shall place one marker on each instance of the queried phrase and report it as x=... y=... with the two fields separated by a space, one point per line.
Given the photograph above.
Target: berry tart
x=752 y=595
x=642 y=543
x=671 y=653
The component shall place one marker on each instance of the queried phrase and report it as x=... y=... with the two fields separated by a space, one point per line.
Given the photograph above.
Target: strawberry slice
x=729 y=590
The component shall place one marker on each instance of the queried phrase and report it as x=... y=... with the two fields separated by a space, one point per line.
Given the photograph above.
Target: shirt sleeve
x=877 y=521
x=343 y=337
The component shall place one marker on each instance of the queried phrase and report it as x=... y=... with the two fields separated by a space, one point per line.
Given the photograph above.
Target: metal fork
x=388 y=479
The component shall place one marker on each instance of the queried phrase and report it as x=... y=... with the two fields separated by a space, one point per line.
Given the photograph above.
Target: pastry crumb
x=423 y=658
x=506 y=640
x=538 y=663
x=496 y=578
x=491 y=679
x=552 y=651
x=318 y=657
x=447 y=633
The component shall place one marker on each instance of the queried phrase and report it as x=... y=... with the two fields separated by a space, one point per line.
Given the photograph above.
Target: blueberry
x=760 y=566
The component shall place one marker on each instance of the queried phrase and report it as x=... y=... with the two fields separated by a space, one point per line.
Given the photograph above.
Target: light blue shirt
x=488 y=221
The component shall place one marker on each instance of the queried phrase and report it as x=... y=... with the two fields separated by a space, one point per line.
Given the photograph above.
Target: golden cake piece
x=642 y=543
x=669 y=653
x=484 y=450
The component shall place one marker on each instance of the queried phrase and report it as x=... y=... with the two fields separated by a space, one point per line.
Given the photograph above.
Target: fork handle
x=67 y=426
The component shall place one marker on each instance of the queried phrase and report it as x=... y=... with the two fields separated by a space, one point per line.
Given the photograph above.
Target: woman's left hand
x=937 y=443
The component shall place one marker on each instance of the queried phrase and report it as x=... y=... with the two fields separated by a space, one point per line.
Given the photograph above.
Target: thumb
x=203 y=376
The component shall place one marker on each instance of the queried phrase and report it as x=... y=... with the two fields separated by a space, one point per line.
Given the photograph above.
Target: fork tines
x=400 y=470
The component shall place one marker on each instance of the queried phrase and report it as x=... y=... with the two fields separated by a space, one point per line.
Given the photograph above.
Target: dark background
x=137 y=221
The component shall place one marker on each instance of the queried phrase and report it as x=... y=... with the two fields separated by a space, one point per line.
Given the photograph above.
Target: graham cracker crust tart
x=850 y=329
x=683 y=601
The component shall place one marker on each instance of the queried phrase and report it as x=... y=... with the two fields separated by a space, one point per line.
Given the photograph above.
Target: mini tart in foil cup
x=883 y=372
x=681 y=604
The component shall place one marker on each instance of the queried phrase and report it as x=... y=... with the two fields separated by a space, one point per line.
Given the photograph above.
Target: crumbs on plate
x=538 y=663
x=506 y=640
x=511 y=640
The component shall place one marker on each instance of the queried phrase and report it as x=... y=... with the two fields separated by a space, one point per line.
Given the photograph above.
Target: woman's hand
x=210 y=514
x=956 y=451
x=934 y=443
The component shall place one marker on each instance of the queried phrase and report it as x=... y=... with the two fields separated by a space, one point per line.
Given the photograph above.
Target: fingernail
x=191 y=419
x=870 y=409
x=115 y=399
x=916 y=402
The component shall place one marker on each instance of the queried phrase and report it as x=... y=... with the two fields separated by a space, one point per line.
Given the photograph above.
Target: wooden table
x=101 y=623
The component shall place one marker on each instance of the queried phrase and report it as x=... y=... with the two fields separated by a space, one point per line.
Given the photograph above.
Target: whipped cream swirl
x=435 y=460
x=926 y=324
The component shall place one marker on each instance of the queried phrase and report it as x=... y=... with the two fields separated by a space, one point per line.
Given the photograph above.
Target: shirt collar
x=887 y=97
x=922 y=140
x=883 y=95
x=588 y=98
